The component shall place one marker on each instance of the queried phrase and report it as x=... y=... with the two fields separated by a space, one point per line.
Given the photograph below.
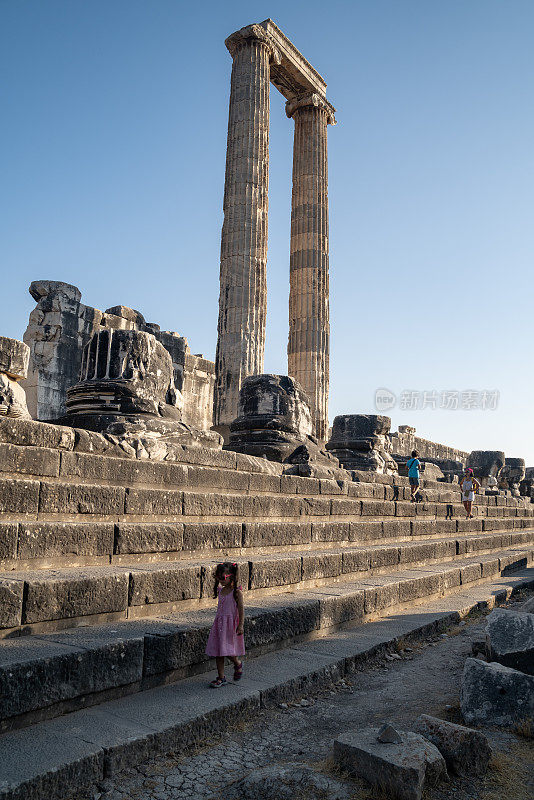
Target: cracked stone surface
x=425 y=680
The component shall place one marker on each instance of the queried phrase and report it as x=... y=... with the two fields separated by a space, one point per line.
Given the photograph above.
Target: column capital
x=311 y=99
x=249 y=34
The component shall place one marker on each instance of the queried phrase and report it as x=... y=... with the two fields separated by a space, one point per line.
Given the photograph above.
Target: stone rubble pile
x=500 y=691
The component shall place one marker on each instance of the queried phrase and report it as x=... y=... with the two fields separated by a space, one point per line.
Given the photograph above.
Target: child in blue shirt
x=413 y=465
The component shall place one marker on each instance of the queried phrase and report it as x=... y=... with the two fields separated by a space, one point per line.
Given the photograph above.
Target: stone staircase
x=107 y=562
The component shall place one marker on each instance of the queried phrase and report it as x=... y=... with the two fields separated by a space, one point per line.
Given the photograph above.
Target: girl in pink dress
x=226 y=635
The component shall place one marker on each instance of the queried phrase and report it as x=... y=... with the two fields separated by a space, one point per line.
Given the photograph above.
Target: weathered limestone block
x=58 y=328
x=151 y=538
x=164 y=584
x=274 y=421
x=129 y=314
x=85 y=592
x=36 y=434
x=62 y=666
x=486 y=464
x=127 y=391
x=510 y=639
x=360 y=442
x=492 y=694
x=61 y=326
x=57 y=539
x=14 y=359
x=10 y=602
x=400 y=770
x=466 y=752
x=512 y=474
x=124 y=373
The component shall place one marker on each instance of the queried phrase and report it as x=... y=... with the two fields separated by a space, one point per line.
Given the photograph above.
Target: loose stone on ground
x=425 y=680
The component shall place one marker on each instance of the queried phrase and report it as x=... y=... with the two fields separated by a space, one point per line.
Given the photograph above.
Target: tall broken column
x=309 y=326
x=243 y=285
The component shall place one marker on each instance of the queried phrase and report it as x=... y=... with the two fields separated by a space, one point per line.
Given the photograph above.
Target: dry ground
x=422 y=678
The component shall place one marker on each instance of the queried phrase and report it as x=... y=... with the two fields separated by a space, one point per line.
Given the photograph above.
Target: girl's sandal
x=217 y=683
x=238 y=672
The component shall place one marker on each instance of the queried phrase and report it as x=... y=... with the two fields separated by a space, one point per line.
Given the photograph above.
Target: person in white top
x=469 y=485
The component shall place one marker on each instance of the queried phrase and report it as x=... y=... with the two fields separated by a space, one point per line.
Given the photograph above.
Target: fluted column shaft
x=243 y=286
x=309 y=326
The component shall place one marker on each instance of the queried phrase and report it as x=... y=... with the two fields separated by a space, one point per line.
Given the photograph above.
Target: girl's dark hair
x=230 y=569
x=414 y=453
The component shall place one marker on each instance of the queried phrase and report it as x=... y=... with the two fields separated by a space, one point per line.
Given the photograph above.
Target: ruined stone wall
x=404 y=443
x=59 y=328
x=197 y=390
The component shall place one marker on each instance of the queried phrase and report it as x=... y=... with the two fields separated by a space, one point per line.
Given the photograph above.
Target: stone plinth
x=14 y=358
x=360 y=442
x=275 y=422
x=274 y=417
x=486 y=464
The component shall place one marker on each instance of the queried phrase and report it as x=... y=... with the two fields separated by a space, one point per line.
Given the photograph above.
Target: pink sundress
x=223 y=639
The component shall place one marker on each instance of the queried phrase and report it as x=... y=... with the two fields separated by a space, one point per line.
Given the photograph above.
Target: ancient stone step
x=40 y=449
x=62 y=597
x=54 y=596
x=54 y=544
x=88 y=660
x=57 y=758
x=57 y=497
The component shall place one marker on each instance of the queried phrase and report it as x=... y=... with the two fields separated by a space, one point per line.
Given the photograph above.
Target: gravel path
x=421 y=679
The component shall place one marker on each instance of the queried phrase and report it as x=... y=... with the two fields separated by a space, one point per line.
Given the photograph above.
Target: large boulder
x=400 y=770
x=466 y=752
x=493 y=694
x=360 y=441
x=510 y=639
x=14 y=359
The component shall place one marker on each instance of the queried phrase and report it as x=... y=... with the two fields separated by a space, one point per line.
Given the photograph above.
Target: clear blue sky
x=112 y=157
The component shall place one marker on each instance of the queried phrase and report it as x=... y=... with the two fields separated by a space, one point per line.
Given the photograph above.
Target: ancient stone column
x=243 y=289
x=309 y=327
